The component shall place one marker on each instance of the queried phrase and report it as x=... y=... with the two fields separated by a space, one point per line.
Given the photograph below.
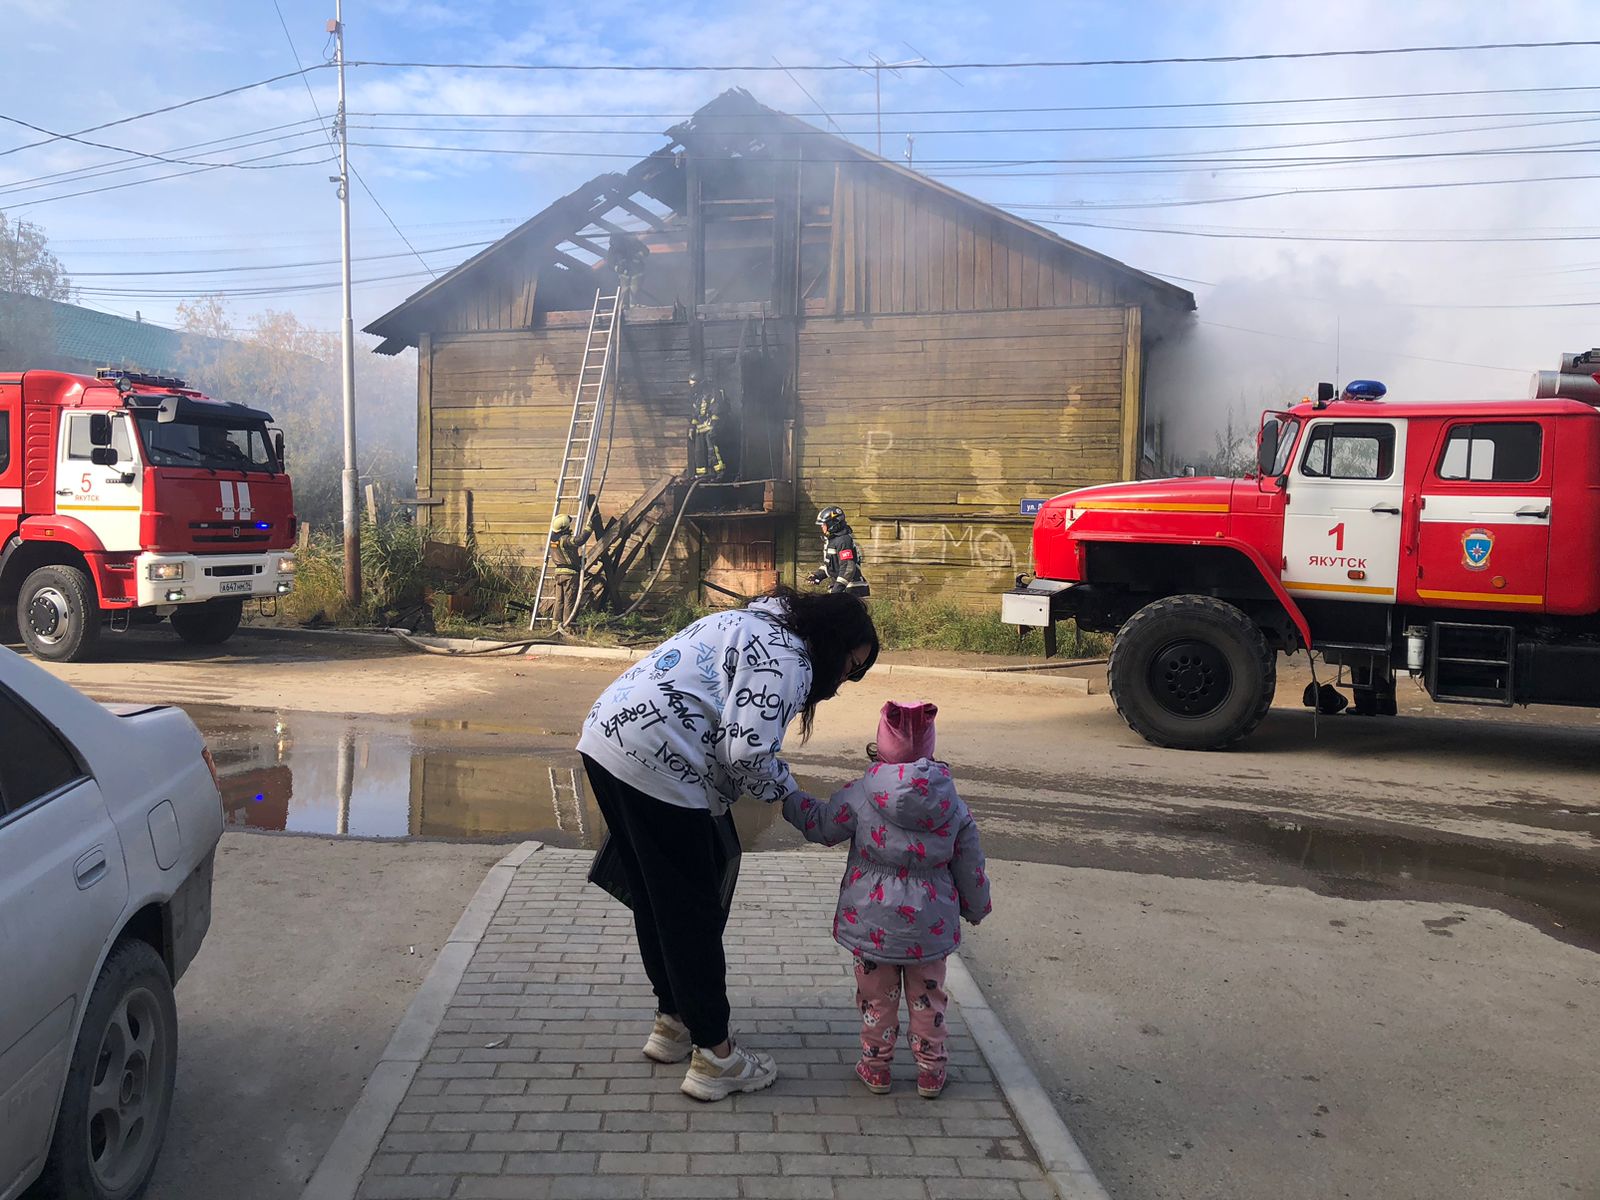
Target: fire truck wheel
x=1192 y=673
x=58 y=614
x=208 y=624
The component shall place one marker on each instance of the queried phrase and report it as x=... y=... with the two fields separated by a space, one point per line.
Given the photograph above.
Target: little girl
x=915 y=870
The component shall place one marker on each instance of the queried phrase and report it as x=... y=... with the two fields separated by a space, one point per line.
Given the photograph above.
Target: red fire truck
x=1459 y=542
x=127 y=498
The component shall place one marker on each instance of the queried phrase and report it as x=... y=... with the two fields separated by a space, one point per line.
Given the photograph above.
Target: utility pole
x=350 y=506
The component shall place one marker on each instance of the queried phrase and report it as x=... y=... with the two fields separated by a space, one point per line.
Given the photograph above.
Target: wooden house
x=889 y=344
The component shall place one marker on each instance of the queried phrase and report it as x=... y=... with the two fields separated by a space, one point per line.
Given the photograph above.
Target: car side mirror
x=1267 y=451
x=104 y=456
x=277 y=448
x=100 y=429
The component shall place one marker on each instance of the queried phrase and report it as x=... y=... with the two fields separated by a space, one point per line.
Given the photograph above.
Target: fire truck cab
x=129 y=498
x=1459 y=542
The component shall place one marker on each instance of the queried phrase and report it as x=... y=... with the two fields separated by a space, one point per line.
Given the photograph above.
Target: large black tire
x=58 y=614
x=208 y=624
x=1192 y=673
x=118 y=1097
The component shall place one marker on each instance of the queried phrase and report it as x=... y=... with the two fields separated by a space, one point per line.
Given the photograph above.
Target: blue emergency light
x=1364 y=389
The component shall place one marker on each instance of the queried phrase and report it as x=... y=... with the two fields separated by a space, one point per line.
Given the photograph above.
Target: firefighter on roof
x=708 y=412
x=627 y=256
x=841 y=560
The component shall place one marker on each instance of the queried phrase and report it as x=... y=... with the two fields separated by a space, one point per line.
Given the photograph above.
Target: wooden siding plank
x=964 y=267
x=982 y=266
x=1030 y=281
x=424 y=426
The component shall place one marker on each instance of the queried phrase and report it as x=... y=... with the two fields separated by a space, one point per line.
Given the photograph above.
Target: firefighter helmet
x=831 y=518
x=562 y=524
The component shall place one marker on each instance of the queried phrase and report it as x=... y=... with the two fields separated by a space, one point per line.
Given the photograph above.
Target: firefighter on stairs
x=841 y=559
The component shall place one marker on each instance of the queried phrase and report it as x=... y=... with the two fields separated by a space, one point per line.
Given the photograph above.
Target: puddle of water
x=310 y=773
x=1556 y=893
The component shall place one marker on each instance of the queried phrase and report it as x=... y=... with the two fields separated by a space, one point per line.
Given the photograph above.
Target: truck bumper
x=1041 y=603
x=205 y=577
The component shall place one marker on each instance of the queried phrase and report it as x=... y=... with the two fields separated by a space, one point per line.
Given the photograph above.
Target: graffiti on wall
x=946 y=544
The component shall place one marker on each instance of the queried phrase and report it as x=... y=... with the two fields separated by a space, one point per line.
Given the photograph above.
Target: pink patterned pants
x=878 y=991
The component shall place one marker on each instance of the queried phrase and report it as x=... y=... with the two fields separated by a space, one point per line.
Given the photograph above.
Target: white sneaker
x=669 y=1041
x=713 y=1078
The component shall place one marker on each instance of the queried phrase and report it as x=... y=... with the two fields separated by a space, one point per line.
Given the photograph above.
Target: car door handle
x=1391 y=509
x=90 y=869
x=1542 y=513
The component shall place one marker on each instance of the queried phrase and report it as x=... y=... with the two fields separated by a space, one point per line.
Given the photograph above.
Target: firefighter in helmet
x=567 y=562
x=627 y=256
x=841 y=560
x=708 y=413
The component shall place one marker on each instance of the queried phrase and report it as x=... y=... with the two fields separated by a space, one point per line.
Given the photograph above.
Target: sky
x=1301 y=271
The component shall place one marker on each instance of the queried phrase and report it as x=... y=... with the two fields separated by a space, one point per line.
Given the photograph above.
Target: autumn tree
x=26 y=264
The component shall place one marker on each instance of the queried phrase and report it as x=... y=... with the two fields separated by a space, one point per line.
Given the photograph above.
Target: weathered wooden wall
x=900 y=248
x=496 y=408
x=930 y=429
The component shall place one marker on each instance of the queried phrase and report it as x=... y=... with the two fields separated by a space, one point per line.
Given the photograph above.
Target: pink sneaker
x=873 y=1076
x=930 y=1083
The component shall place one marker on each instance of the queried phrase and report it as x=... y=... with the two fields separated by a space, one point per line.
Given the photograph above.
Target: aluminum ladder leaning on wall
x=583 y=436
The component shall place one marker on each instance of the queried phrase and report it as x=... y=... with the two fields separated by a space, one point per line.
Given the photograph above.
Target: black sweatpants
x=669 y=857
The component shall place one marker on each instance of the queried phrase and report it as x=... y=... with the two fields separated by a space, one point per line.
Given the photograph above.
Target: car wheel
x=58 y=614
x=118 y=1096
x=1192 y=673
x=208 y=624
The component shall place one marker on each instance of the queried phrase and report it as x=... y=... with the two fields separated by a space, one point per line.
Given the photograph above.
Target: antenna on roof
x=825 y=114
x=876 y=70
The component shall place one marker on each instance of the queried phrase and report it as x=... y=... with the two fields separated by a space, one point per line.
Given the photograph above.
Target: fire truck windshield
x=218 y=445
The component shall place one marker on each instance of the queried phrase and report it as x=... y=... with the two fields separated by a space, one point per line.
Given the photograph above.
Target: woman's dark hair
x=832 y=625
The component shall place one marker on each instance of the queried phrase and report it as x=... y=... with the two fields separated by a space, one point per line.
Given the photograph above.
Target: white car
x=109 y=821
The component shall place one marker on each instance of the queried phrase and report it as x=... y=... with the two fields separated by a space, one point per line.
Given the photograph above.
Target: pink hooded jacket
x=916 y=868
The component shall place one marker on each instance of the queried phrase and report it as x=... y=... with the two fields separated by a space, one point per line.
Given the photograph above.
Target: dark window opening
x=1499 y=453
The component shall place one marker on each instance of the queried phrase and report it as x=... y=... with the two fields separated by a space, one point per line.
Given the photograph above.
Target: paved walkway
x=534 y=1086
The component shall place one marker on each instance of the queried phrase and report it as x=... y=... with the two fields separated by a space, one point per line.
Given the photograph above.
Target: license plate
x=235 y=587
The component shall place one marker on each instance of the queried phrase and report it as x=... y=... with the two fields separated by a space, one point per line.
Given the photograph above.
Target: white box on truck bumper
x=196 y=578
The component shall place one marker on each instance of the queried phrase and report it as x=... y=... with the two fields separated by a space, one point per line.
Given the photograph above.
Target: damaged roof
x=562 y=222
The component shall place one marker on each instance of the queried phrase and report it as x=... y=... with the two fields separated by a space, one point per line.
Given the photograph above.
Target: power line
x=154 y=112
x=67 y=137
x=102 y=170
x=1258 y=235
x=117 y=187
x=941 y=112
x=327 y=262
x=1220 y=160
x=1582 y=113
x=704 y=68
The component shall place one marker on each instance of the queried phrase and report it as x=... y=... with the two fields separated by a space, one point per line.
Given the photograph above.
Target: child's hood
x=918 y=796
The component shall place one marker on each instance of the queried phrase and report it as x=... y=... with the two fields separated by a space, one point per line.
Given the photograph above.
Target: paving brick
x=503 y=1187
x=471 y=1122
x=606 y=1143
x=731 y=1122
x=560 y=1163
x=559 y=1122
x=404 y=1187
x=647 y=1122
x=822 y=1164
x=618 y=1187
x=782 y=1143
x=668 y=1188
x=517 y=1142
x=694 y=1143
x=973 y=1189
x=456 y=1164
x=790 y=1189
x=733 y=1164
x=424 y=1143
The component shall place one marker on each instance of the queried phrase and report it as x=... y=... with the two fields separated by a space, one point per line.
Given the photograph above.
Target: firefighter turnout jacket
x=841 y=563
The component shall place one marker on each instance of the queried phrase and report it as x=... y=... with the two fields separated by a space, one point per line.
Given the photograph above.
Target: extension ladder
x=583 y=436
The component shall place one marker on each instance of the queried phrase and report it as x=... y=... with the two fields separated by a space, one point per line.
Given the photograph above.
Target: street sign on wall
x=1030 y=508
